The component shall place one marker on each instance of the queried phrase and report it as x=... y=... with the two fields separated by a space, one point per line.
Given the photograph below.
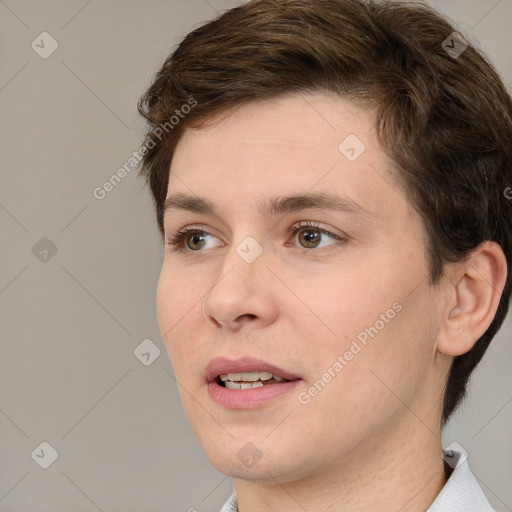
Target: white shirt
x=461 y=492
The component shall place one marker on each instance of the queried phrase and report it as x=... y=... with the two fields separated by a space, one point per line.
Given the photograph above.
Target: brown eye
x=192 y=239
x=309 y=238
x=195 y=241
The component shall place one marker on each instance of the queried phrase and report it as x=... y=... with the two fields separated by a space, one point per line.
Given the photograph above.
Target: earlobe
x=475 y=294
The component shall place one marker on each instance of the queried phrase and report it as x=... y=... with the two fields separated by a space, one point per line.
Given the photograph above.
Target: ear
x=474 y=290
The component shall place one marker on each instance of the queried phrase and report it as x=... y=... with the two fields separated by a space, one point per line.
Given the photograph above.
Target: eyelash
x=180 y=235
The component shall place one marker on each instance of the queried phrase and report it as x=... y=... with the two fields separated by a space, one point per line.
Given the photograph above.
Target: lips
x=224 y=366
x=247 y=383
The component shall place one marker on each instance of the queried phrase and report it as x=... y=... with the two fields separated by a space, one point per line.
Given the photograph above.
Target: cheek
x=357 y=388
x=394 y=349
x=370 y=317
x=343 y=304
x=175 y=309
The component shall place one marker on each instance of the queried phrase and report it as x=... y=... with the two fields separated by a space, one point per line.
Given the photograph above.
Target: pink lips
x=246 y=398
x=220 y=365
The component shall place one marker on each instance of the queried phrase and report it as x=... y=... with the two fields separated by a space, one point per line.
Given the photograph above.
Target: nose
x=241 y=295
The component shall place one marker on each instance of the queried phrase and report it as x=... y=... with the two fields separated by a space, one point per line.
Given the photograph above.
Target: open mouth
x=248 y=380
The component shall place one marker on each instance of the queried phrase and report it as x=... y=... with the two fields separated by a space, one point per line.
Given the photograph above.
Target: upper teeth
x=249 y=376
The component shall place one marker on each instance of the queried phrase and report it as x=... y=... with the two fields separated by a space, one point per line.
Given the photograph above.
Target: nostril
x=245 y=318
x=215 y=321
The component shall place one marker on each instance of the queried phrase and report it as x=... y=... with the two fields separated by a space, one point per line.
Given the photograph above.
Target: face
x=302 y=260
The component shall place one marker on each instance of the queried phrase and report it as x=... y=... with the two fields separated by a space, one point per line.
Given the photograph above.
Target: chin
x=242 y=459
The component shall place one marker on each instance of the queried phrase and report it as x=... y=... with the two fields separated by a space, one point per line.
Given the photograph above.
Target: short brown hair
x=444 y=119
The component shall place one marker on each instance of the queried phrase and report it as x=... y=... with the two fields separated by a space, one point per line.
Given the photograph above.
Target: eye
x=190 y=239
x=310 y=235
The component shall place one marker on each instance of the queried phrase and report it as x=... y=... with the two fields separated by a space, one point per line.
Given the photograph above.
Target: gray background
x=72 y=320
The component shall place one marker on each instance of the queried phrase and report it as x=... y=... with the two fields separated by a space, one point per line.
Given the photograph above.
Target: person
x=330 y=178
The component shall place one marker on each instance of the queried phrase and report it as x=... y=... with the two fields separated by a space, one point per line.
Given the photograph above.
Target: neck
x=401 y=470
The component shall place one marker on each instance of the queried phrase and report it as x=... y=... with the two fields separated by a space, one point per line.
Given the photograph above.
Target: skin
x=370 y=439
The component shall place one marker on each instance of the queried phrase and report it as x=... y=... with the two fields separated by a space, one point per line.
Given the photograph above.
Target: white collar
x=461 y=492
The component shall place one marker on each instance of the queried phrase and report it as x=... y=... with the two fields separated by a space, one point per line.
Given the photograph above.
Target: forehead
x=294 y=144
x=295 y=122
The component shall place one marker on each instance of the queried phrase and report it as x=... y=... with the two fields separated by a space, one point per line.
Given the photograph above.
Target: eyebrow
x=274 y=206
